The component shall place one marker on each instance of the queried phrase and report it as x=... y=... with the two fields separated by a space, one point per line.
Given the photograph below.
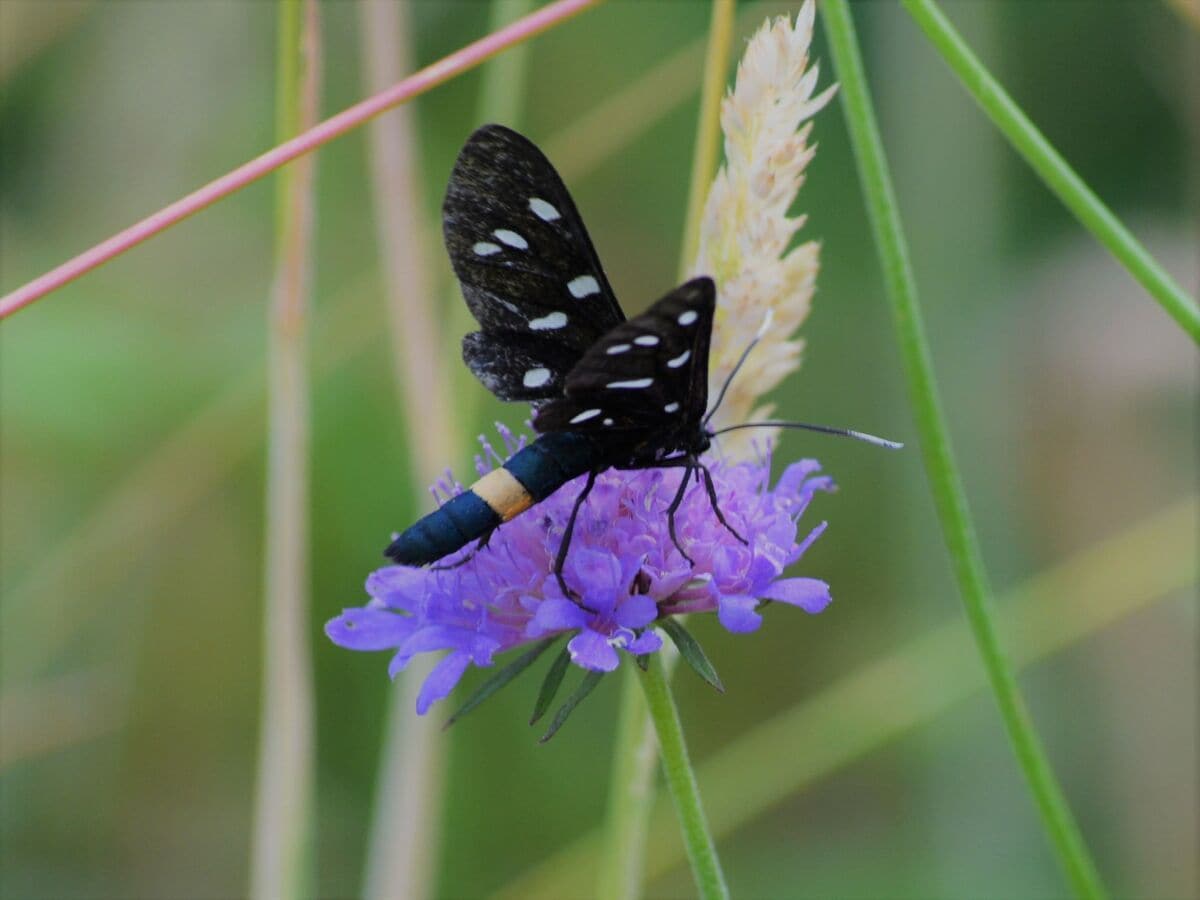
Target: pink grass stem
x=430 y=77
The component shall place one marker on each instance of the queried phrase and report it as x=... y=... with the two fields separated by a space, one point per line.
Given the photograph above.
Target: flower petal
x=647 y=642
x=441 y=680
x=736 y=613
x=810 y=594
x=360 y=628
x=592 y=651
x=555 y=615
x=636 y=611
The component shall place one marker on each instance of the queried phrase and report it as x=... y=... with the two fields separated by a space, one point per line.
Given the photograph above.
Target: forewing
x=647 y=374
x=527 y=267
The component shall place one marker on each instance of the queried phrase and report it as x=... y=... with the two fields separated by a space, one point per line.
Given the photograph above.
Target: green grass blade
x=941 y=468
x=1062 y=180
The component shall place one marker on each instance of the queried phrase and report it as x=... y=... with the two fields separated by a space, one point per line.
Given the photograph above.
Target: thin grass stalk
x=1049 y=165
x=635 y=750
x=280 y=863
x=403 y=845
x=430 y=77
x=681 y=781
x=878 y=703
x=940 y=466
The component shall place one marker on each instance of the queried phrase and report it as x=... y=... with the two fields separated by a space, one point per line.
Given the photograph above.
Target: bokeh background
x=133 y=422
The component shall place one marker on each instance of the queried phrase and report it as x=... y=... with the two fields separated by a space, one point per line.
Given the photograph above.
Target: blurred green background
x=132 y=445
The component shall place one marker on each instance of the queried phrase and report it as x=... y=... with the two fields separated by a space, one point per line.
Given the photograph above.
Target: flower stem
x=418 y=83
x=681 y=781
x=281 y=864
x=631 y=790
x=941 y=468
x=1062 y=180
x=907 y=688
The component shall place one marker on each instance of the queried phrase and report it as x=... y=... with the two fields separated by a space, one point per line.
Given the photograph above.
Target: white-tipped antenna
x=762 y=330
x=824 y=429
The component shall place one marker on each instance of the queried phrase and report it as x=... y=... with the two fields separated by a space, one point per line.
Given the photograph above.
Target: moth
x=606 y=391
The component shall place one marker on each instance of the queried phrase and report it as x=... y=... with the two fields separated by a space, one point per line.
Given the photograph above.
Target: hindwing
x=649 y=374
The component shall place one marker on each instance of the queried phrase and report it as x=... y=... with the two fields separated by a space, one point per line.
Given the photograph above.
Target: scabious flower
x=622 y=563
x=746 y=231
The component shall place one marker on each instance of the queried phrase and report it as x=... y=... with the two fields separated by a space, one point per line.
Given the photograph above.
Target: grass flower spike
x=623 y=565
x=746 y=230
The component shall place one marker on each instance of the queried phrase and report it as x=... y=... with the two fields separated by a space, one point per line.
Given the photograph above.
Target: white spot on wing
x=543 y=210
x=671 y=407
x=535 y=378
x=679 y=360
x=511 y=238
x=583 y=286
x=608 y=421
x=550 y=322
x=687 y=317
x=486 y=248
x=617 y=348
x=646 y=340
x=585 y=415
x=633 y=384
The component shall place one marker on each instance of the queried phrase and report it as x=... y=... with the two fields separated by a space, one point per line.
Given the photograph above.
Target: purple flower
x=621 y=562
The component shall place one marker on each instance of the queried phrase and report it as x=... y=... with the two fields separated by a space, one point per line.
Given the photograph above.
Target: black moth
x=607 y=392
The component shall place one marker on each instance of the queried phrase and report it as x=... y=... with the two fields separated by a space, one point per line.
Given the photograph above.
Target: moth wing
x=528 y=270
x=648 y=374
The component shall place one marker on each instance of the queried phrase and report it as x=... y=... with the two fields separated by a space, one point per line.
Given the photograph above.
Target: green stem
x=1052 y=168
x=942 y=471
x=905 y=689
x=681 y=781
x=631 y=790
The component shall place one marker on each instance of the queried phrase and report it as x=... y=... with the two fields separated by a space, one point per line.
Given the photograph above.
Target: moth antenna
x=824 y=429
x=762 y=330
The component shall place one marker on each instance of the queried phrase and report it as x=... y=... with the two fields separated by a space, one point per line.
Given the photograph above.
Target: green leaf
x=501 y=678
x=590 y=680
x=554 y=677
x=692 y=653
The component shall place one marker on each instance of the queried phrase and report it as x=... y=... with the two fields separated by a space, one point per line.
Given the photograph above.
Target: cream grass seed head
x=746 y=230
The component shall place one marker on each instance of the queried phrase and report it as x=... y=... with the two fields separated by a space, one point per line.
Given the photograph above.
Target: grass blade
x=941 y=468
x=1062 y=180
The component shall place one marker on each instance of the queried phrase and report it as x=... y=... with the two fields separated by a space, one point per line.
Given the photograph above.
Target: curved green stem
x=681 y=781
x=1032 y=145
x=941 y=468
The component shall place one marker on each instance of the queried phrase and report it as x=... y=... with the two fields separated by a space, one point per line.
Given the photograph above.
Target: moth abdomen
x=530 y=476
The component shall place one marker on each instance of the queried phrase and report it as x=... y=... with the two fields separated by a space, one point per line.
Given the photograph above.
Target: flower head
x=622 y=564
x=746 y=230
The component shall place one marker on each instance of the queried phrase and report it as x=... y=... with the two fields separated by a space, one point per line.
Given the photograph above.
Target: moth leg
x=712 y=499
x=482 y=544
x=675 y=504
x=565 y=544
